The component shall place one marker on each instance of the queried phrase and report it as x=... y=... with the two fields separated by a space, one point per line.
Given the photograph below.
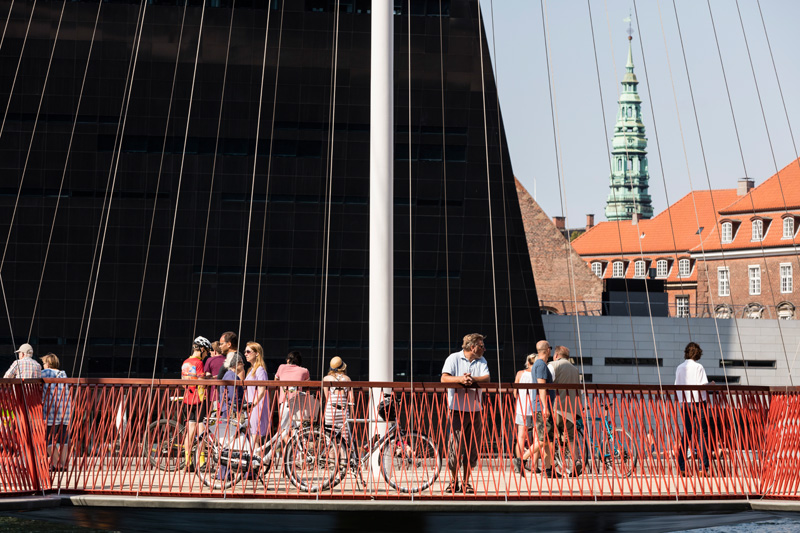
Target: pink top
x=288 y=372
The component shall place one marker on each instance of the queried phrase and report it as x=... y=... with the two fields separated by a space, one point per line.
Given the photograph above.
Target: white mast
x=381 y=201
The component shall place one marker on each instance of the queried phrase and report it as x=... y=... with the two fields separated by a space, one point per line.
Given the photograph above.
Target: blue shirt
x=540 y=371
x=460 y=398
x=230 y=396
x=56 y=401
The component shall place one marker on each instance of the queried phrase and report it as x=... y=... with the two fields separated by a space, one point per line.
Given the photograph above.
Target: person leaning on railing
x=338 y=400
x=466 y=368
x=688 y=373
x=26 y=367
x=57 y=406
x=292 y=399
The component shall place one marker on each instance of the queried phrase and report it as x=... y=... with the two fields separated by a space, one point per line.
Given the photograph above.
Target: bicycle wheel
x=568 y=458
x=410 y=463
x=311 y=461
x=211 y=466
x=164 y=443
x=619 y=455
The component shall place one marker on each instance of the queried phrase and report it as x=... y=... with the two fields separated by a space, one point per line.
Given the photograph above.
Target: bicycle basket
x=386 y=409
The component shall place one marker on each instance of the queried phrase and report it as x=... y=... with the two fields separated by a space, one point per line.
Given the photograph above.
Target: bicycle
x=610 y=448
x=223 y=453
x=317 y=458
x=607 y=449
x=165 y=438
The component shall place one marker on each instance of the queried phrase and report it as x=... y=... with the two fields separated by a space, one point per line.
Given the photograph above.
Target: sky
x=673 y=128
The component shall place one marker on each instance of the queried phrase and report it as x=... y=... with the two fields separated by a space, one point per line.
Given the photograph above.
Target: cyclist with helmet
x=194 y=397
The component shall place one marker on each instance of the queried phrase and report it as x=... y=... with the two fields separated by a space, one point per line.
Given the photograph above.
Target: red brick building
x=725 y=253
x=630 y=249
x=750 y=258
x=561 y=276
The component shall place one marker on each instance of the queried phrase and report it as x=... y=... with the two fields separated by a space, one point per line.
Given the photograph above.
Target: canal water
x=94 y=519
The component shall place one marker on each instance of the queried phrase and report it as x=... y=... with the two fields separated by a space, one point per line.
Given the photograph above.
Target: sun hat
x=337 y=365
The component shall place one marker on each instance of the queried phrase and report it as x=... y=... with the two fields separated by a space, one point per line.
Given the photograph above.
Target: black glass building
x=298 y=179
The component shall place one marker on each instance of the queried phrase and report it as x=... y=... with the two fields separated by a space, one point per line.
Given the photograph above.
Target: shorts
x=196 y=413
x=563 y=422
x=57 y=434
x=466 y=431
x=523 y=420
x=544 y=429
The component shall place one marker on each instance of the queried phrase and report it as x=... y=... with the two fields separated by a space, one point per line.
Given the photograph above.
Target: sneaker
x=517 y=464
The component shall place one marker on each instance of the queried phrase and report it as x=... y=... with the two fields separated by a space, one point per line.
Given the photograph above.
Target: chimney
x=744 y=186
x=635 y=218
x=589 y=221
x=559 y=222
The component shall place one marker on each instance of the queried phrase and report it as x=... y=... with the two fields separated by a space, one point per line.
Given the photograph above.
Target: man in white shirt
x=690 y=373
x=464 y=369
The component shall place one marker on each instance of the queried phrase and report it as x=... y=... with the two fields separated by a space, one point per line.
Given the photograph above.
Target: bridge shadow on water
x=566 y=520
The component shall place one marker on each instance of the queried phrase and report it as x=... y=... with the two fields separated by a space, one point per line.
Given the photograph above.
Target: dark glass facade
x=304 y=269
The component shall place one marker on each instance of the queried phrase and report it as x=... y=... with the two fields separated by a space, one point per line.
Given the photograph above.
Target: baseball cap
x=26 y=349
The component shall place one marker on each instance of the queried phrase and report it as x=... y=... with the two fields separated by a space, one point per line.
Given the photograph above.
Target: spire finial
x=630 y=26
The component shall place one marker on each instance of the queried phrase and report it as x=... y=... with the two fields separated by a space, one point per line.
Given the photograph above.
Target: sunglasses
x=249 y=351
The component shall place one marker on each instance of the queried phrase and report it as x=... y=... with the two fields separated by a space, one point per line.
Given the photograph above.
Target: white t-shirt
x=690 y=372
x=524 y=404
x=460 y=398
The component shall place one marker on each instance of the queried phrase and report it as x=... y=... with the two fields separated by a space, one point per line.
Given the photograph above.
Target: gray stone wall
x=770 y=347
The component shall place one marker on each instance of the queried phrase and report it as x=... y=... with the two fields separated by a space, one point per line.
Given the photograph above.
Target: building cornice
x=750 y=252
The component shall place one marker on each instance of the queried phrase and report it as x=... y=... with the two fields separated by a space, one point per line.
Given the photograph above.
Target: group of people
x=56 y=400
x=545 y=414
x=222 y=360
x=467 y=368
x=539 y=416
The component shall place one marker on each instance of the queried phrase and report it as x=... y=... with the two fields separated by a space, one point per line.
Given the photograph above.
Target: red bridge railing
x=129 y=437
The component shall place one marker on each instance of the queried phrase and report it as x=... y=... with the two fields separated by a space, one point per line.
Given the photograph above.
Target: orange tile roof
x=742 y=235
x=673 y=230
x=770 y=195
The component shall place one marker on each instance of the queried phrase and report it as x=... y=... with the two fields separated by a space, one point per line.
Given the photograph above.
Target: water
x=96 y=519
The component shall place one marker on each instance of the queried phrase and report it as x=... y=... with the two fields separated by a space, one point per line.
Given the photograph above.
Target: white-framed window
x=788 y=227
x=681 y=306
x=754 y=273
x=662 y=268
x=616 y=269
x=619 y=164
x=758 y=230
x=639 y=269
x=787 y=283
x=727 y=232
x=684 y=268
x=597 y=269
x=723 y=281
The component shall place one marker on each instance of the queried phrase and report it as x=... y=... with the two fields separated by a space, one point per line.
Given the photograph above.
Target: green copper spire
x=629 y=176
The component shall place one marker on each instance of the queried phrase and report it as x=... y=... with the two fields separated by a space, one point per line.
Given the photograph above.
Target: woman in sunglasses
x=256 y=396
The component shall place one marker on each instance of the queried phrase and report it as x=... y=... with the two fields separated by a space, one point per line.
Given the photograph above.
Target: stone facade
x=561 y=275
x=757 y=352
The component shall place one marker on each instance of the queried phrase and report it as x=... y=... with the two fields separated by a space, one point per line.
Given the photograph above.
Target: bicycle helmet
x=203 y=343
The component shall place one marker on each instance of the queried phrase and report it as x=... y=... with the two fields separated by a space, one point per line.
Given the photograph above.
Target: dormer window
x=597 y=269
x=788 y=227
x=639 y=269
x=727 y=232
x=617 y=269
x=684 y=268
x=662 y=268
x=757 y=230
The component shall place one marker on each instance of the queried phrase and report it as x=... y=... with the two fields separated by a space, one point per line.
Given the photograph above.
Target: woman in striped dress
x=339 y=400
